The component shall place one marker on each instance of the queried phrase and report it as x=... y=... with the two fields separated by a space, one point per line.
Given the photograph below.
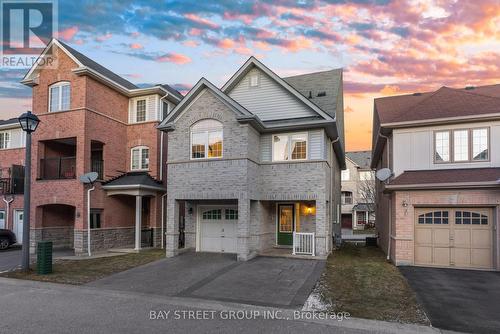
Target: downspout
x=7 y=209
x=88 y=218
x=161 y=142
x=332 y=181
x=389 y=238
x=163 y=220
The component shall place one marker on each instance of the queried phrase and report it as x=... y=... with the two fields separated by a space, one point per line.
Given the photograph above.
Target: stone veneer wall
x=104 y=238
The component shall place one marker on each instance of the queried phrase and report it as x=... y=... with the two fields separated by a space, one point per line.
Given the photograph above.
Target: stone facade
x=239 y=177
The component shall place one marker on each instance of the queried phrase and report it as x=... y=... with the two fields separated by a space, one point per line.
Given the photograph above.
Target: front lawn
x=359 y=280
x=87 y=270
x=365 y=231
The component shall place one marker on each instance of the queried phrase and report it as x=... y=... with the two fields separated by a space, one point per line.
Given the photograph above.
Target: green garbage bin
x=44 y=257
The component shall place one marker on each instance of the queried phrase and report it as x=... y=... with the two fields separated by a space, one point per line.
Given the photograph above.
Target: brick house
x=358 y=189
x=441 y=206
x=12 y=155
x=254 y=167
x=93 y=120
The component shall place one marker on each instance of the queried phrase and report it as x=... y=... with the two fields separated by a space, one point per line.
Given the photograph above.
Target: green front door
x=286 y=219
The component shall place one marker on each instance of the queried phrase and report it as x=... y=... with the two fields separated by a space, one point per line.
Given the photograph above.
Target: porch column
x=366 y=217
x=138 y=223
x=172 y=228
x=354 y=219
x=321 y=228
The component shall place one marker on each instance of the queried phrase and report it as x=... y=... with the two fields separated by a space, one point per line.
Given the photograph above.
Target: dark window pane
x=428 y=220
x=445 y=213
x=437 y=220
x=475 y=215
x=476 y=221
x=445 y=220
x=458 y=214
x=484 y=221
x=437 y=214
x=466 y=221
x=421 y=219
x=466 y=214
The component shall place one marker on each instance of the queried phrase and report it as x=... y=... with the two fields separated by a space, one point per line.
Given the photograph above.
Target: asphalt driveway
x=459 y=300
x=265 y=281
x=10 y=259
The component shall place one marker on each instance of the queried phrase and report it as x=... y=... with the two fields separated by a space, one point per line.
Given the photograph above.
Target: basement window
x=320 y=94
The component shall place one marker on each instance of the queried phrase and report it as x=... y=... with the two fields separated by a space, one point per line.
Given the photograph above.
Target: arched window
x=60 y=96
x=206 y=139
x=434 y=217
x=139 y=158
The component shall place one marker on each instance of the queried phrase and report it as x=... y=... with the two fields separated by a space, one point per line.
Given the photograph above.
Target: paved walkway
x=460 y=300
x=39 y=308
x=266 y=281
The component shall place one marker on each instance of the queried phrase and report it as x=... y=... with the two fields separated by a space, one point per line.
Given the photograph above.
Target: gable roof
x=442 y=106
x=443 y=103
x=241 y=112
x=361 y=158
x=312 y=85
x=134 y=180
x=253 y=62
x=10 y=121
x=87 y=66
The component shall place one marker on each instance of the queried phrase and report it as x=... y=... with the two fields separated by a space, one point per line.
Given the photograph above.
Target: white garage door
x=218 y=229
x=454 y=237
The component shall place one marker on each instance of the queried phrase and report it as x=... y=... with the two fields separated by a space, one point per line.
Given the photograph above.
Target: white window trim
x=257 y=75
x=470 y=140
x=140 y=148
x=59 y=85
x=191 y=132
x=9 y=142
x=290 y=134
x=136 y=102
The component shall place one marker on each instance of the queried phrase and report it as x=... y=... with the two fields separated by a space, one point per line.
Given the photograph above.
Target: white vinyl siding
x=153 y=109
x=315 y=146
x=413 y=148
x=12 y=138
x=268 y=100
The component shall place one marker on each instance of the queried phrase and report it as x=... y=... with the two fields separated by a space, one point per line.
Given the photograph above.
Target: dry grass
x=79 y=272
x=359 y=280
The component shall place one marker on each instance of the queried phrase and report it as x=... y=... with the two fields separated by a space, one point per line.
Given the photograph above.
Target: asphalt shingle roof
x=361 y=158
x=9 y=121
x=327 y=82
x=86 y=61
x=172 y=91
x=134 y=178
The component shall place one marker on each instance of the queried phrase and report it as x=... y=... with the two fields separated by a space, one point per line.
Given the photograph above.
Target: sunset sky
x=385 y=47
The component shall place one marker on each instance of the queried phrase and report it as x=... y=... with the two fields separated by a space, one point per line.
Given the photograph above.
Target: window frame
x=346 y=172
x=8 y=142
x=206 y=140
x=343 y=197
x=141 y=167
x=254 y=75
x=59 y=85
x=470 y=141
x=93 y=213
x=289 y=135
x=136 y=110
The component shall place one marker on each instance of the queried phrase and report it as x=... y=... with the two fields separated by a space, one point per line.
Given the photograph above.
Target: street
x=35 y=307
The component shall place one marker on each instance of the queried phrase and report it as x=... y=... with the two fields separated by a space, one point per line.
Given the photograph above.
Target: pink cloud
x=68 y=33
x=190 y=43
x=201 y=21
x=175 y=58
x=136 y=46
x=195 y=32
x=225 y=43
x=104 y=37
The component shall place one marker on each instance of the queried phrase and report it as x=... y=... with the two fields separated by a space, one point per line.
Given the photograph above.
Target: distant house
x=358 y=190
x=441 y=207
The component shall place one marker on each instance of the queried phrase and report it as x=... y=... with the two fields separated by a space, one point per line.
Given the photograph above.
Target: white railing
x=303 y=243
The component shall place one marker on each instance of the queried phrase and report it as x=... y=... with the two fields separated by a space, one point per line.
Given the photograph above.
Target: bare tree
x=367 y=191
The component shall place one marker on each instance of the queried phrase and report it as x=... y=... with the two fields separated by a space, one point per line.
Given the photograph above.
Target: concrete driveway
x=459 y=300
x=265 y=281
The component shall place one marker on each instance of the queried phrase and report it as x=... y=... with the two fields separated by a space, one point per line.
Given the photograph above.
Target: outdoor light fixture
x=404 y=204
x=29 y=123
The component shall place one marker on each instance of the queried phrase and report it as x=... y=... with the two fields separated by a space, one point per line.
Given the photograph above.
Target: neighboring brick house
x=358 y=190
x=256 y=162
x=12 y=155
x=93 y=120
x=441 y=207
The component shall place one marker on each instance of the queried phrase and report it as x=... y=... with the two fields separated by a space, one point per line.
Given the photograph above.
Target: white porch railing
x=303 y=243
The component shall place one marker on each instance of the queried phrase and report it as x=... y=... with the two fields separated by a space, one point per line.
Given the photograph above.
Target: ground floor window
x=95 y=218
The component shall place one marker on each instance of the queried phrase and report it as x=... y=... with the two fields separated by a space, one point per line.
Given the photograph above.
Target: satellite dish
x=89 y=177
x=383 y=174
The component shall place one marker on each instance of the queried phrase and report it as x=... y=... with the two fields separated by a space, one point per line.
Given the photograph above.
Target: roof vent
x=469 y=87
x=417 y=94
x=310 y=95
x=321 y=94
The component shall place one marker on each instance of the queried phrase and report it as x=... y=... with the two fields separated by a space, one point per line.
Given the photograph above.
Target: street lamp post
x=29 y=123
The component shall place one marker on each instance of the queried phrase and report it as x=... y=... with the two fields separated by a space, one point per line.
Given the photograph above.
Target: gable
x=269 y=100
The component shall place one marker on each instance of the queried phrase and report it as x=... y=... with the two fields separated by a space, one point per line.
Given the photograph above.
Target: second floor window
x=345 y=175
x=462 y=145
x=140 y=111
x=206 y=139
x=365 y=176
x=59 y=96
x=346 y=197
x=140 y=158
x=4 y=140
x=290 y=147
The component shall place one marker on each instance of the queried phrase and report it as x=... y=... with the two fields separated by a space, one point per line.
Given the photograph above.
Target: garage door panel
x=211 y=244
x=441 y=256
x=423 y=255
x=481 y=239
x=454 y=237
x=218 y=226
x=481 y=258
x=441 y=237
